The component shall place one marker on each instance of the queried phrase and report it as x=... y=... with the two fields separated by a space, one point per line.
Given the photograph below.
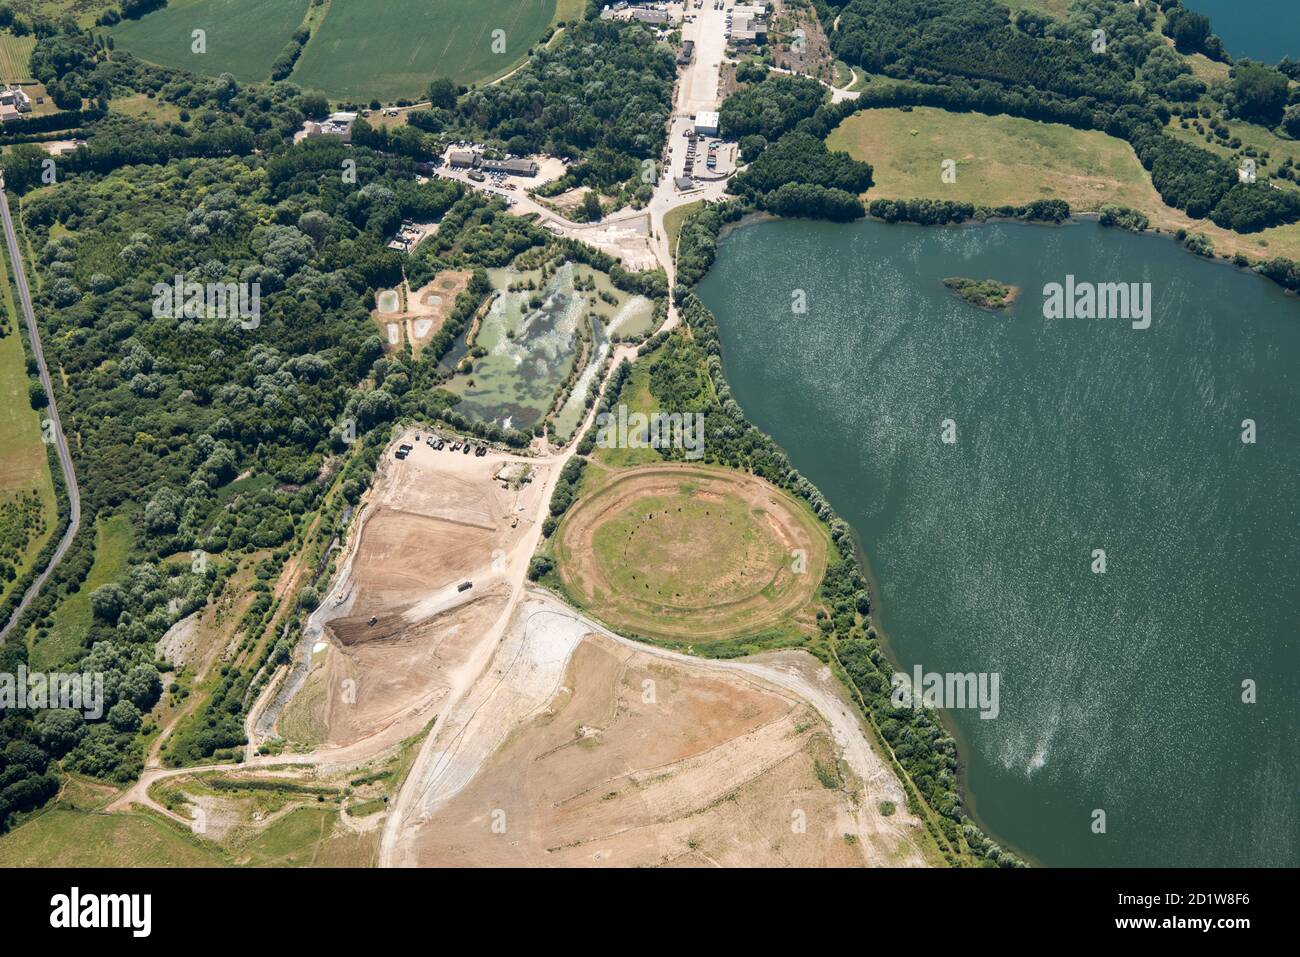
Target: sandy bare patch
x=637 y=761
x=396 y=626
x=415 y=315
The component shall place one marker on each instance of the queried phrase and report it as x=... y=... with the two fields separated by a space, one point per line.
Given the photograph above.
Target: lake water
x=1119 y=691
x=1259 y=29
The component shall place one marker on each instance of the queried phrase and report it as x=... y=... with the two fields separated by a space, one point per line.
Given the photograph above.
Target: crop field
x=15 y=56
x=243 y=36
x=688 y=552
x=384 y=51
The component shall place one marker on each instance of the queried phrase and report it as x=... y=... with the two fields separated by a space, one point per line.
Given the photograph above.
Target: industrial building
x=337 y=124
x=511 y=167
x=706 y=123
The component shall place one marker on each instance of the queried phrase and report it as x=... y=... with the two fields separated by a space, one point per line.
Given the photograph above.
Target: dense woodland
x=601 y=97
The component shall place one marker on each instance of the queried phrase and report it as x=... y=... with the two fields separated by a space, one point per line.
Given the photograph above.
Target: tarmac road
x=52 y=414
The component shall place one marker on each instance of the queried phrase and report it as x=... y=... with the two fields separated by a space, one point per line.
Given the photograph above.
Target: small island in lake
x=985 y=293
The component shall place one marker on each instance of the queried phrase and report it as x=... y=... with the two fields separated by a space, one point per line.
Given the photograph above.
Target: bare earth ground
x=584 y=750
x=435 y=520
x=549 y=746
x=427 y=308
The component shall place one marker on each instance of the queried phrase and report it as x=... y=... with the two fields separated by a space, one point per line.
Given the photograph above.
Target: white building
x=17 y=98
x=13 y=103
x=706 y=123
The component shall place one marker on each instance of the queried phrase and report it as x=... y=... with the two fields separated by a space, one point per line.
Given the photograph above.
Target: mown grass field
x=1004 y=160
x=72 y=617
x=23 y=463
x=243 y=36
x=1000 y=159
x=636 y=396
x=15 y=57
x=384 y=51
x=690 y=553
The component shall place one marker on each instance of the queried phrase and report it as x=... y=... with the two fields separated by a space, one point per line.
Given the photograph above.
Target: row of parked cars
x=438 y=443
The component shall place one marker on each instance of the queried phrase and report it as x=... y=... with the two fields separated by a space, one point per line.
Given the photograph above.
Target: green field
x=1000 y=159
x=72 y=617
x=636 y=396
x=243 y=36
x=1005 y=160
x=24 y=467
x=690 y=553
x=384 y=51
x=61 y=837
x=15 y=56
x=673 y=220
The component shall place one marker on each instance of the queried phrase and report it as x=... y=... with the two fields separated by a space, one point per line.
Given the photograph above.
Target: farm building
x=14 y=96
x=647 y=15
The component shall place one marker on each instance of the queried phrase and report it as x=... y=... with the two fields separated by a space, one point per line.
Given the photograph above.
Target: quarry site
x=443 y=711
x=495 y=724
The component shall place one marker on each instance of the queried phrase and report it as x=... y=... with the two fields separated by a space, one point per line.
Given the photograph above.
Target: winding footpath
x=60 y=440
